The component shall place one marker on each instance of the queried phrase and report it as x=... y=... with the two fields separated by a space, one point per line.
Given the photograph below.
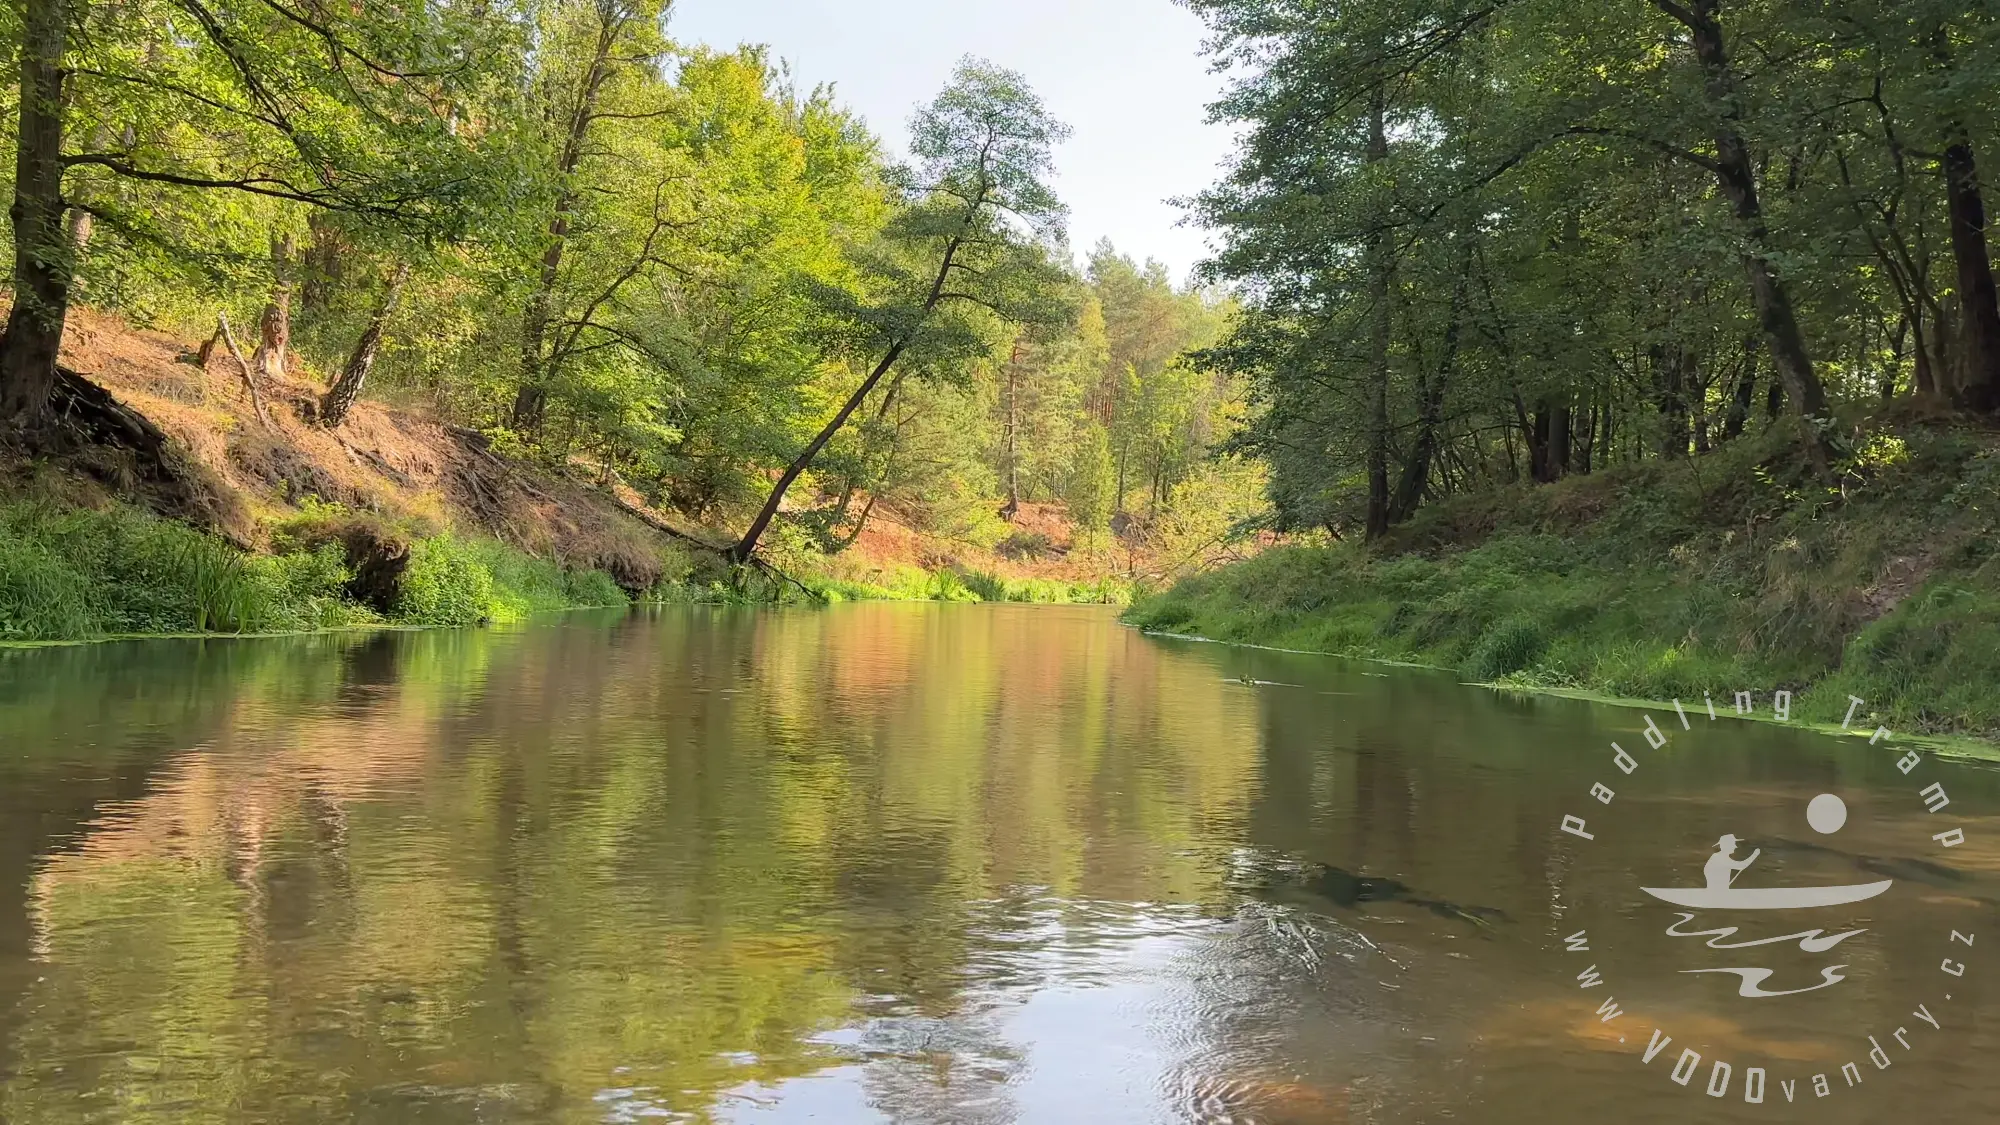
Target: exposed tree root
x=88 y=430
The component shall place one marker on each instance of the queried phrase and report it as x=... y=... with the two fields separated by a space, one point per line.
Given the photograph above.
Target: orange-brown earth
x=418 y=471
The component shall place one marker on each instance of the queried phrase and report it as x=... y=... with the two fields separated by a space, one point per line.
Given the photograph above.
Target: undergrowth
x=82 y=574
x=952 y=585
x=1665 y=581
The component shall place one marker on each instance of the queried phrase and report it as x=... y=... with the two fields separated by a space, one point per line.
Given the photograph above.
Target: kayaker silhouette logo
x=1740 y=909
x=1720 y=892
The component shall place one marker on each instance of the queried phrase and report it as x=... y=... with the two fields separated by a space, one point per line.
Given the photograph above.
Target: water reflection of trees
x=669 y=863
x=447 y=875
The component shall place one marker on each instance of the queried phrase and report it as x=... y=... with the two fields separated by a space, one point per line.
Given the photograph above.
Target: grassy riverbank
x=1667 y=580
x=79 y=574
x=82 y=574
x=249 y=523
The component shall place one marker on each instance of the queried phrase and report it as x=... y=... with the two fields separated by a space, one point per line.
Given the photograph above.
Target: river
x=943 y=864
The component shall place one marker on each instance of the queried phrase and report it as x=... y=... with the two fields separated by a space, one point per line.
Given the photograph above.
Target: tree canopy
x=666 y=267
x=1500 y=241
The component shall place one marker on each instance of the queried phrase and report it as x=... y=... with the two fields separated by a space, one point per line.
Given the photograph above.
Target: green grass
x=914 y=584
x=466 y=581
x=69 y=574
x=80 y=574
x=1669 y=581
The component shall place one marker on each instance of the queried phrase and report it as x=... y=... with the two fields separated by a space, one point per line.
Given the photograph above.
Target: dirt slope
x=391 y=463
x=416 y=471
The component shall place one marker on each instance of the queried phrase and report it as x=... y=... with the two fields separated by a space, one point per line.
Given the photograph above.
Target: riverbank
x=228 y=516
x=1670 y=580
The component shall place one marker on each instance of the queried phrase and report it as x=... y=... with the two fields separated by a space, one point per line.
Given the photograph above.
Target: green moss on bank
x=1670 y=581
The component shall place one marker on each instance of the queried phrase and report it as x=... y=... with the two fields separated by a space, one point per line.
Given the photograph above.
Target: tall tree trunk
x=1670 y=381
x=1118 y=489
x=340 y=397
x=1946 y=352
x=532 y=396
x=1430 y=417
x=1745 y=395
x=44 y=257
x=1978 y=383
x=1534 y=435
x=1380 y=267
x=1737 y=177
x=1586 y=444
x=1974 y=377
x=1013 y=506
x=1898 y=345
x=1540 y=465
x=274 y=329
x=747 y=546
x=320 y=263
x=1921 y=355
x=1694 y=398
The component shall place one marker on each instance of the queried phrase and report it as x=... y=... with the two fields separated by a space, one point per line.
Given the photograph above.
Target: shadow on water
x=875 y=864
x=1290 y=882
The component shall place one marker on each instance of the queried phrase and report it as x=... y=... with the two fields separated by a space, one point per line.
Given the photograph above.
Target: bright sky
x=1127 y=75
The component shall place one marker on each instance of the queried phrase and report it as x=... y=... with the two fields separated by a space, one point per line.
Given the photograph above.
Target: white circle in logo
x=1827 y=814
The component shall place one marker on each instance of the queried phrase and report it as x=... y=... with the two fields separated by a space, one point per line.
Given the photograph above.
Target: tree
x=274 y=327
x=181 y=99
x=44 y=251
x=965 y=245
x=1737 y=176
x=593 y=44
x=1585 y=211
x=340 y=397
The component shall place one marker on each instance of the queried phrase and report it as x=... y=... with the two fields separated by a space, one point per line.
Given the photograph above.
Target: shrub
x=985 y=587
x=446 y=584
x=947 y=586
x=306 y=589
x=1024 y=545
x=1509 y=647
x=593 y=588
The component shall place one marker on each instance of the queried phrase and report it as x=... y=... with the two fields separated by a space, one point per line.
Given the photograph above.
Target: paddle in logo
x=1720 y=892
x=1754 y=908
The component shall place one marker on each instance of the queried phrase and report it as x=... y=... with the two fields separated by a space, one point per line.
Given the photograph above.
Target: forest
x=1647 y=346
x=1497 y=242
x=601 y=254
x=1631 y=347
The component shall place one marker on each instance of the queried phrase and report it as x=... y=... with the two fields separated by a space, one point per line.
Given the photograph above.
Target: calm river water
x=944 y=864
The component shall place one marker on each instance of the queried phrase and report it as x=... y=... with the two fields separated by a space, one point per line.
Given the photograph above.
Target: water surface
x=938 y=864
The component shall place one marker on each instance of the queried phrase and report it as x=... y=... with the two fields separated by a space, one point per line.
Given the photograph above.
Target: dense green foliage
x=1662 y=580
x=1617 y=347
x=1489 y=243
x=653 y=264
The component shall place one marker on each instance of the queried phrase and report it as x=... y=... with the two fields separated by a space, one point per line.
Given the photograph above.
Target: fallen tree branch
x=662 y=526
x=667 y=529
x=243 y=365
x=774 y=572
